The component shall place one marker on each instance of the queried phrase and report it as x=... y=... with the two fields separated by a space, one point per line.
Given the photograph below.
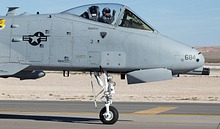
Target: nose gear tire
x=112 y=119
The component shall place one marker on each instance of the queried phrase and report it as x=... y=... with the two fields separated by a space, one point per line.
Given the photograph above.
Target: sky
x=192 y=22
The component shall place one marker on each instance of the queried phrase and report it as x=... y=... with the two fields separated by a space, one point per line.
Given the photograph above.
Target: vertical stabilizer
x=12 y=11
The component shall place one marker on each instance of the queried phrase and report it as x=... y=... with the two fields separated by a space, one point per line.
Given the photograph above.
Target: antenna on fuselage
x=12 y=11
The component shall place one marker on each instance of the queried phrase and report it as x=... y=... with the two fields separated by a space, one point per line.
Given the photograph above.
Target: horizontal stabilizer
x=149 y=75
x=9 y=69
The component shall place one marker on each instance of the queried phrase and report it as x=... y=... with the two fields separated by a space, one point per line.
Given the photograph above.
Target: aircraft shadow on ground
x=55 y=118
x=51 y=118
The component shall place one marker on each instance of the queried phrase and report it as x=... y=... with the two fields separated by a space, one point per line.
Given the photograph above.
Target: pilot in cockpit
x=92 y=13
x=106 y=16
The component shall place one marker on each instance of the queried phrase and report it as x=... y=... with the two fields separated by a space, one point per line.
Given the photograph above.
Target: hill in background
x=212 y=54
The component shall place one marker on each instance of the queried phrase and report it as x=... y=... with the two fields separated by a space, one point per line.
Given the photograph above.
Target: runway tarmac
x=83 y=115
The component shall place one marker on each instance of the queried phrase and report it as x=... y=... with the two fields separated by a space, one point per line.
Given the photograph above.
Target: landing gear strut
x=109 y=114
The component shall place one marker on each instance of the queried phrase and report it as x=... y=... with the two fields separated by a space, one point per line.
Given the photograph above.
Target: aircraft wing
x=9 y=69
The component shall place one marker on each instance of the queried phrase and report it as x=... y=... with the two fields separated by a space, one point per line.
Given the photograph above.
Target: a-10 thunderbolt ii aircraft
x=96 y=38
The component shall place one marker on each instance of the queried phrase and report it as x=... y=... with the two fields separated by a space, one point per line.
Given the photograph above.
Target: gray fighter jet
x=97 y=38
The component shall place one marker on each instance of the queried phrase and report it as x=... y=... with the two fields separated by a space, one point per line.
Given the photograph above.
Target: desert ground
x=77 y=87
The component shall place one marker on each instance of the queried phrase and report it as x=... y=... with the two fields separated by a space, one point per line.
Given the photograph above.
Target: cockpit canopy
x=109 y=13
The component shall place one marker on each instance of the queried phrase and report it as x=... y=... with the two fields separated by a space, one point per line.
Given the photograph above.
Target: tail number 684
x=190 y=57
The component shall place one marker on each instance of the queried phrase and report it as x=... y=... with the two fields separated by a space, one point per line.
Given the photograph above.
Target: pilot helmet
x=94 y=10
x=106 y=10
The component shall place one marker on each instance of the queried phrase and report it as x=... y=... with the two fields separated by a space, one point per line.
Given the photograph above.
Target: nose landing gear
x=108 y=114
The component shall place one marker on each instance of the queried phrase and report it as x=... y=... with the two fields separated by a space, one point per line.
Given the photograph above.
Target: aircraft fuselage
x=67 y=42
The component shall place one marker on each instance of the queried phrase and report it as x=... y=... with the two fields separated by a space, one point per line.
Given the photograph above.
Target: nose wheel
x=109 y=118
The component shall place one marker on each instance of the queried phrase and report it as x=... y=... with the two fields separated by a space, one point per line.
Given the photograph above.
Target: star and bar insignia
x=35 y=39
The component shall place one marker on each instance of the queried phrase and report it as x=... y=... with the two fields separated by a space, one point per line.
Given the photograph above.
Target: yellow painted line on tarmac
x=188 y=115
x=152 y=111
x=156 y=110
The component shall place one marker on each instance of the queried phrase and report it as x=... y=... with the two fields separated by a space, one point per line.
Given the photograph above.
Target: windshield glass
x=106 y=13
x=130 y=20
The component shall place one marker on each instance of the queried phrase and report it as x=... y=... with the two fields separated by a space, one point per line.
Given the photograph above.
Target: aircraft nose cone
x=200 y=60
x=201 y=57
